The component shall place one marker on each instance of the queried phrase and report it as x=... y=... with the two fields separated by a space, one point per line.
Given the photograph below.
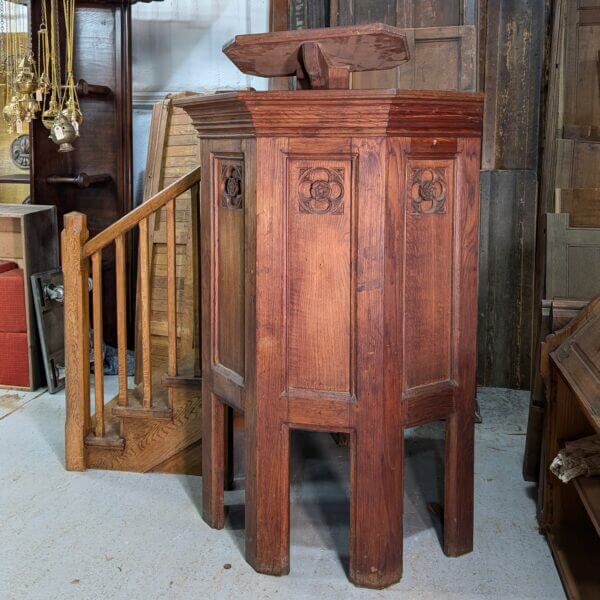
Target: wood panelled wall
x=513 y=78
x=568 y=246
x=496 y=45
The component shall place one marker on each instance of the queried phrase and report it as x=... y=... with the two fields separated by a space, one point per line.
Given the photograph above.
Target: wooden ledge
x=322 y=113
x=136 y=410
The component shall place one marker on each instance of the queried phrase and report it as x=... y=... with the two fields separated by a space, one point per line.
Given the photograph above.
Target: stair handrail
x=144 y=210
x=79 y=253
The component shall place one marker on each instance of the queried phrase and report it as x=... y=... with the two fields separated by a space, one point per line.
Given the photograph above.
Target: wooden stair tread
x=135 y=408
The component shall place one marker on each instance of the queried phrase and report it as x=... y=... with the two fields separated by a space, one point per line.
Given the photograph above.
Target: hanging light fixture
x=34 y=87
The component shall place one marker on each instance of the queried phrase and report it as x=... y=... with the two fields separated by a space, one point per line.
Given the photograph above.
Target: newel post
x=77 y=345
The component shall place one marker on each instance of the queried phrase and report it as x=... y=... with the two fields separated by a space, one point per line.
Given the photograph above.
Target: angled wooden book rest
x=339 y=233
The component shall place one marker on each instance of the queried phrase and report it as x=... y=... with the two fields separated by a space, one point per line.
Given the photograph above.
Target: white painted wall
x=176 y=47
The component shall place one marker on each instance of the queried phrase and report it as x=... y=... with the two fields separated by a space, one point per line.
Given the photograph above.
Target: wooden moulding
x=316 y=113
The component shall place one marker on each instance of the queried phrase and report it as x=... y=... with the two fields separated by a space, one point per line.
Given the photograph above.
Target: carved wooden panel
x=572 y=259
x=229 y=252
x=429 y=204
x=231 y=183
x=320 y=249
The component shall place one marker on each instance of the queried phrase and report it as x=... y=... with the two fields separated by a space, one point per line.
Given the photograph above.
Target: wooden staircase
x=156 y=424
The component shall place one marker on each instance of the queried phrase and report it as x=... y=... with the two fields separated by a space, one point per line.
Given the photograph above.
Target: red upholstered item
x=12 y=301
x=7 y=265
x=14 y=363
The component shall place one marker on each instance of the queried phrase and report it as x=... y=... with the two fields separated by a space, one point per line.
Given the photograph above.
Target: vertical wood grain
x=428 y=277
x=98 y=342
x=515 y=38
x=319 y=263
x=507 y=246
x=121 y=318
x=376 y=446
x=267 y=438
x=171 y=290
x=77 y=344
x=459 y=461
x=144 y=309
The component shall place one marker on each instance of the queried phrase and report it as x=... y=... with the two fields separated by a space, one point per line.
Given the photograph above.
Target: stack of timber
x=568 y=257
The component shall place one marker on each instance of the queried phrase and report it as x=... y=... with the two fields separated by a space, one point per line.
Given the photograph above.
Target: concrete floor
x=103 y=534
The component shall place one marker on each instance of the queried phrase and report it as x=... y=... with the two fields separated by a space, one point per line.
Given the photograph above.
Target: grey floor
x=109 y=535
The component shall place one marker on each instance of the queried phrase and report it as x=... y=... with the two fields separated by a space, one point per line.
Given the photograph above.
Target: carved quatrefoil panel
x=428 y=190
x=232 y=185
x=321 y=191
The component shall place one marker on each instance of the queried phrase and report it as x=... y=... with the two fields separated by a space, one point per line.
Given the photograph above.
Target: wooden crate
x=29 y=237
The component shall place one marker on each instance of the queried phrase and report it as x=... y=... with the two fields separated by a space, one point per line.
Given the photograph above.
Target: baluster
x=98 y=339
x=145 y=315
x=121 y=318
x=171 y=291
x=195 y=224
x=77 y=339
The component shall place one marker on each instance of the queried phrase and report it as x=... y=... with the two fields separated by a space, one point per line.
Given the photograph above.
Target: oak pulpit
x=339 y=234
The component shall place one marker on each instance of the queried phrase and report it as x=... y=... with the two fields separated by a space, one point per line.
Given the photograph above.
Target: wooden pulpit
x=339 y=234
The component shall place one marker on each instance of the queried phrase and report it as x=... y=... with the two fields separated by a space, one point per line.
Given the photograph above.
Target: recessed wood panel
x=429 y=201
x=582 y=44
x=228 y=199
x=444 y=58
x=319 y=274
x=578 y=164
x=572 y=259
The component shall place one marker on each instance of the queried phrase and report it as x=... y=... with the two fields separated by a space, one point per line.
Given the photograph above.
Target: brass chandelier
x=35 y=88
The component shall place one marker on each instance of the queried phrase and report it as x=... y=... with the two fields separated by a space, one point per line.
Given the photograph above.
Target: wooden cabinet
x=339 y=236
x=570 y=515
x=29 y=237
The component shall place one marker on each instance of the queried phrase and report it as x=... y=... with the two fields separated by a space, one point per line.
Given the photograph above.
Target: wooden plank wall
x=442 y=37
x=513 y=78
x=507 y=243
x=570 y=181
x=172 y=152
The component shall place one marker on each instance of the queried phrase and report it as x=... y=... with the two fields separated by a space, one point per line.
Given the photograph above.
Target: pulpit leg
x=213 y=461
x=458 y=485
x=267 y=496
x=376 y=506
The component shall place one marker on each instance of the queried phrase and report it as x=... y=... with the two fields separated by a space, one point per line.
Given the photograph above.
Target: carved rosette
x=428 y=190
x=232 y=185
x=321 y=191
